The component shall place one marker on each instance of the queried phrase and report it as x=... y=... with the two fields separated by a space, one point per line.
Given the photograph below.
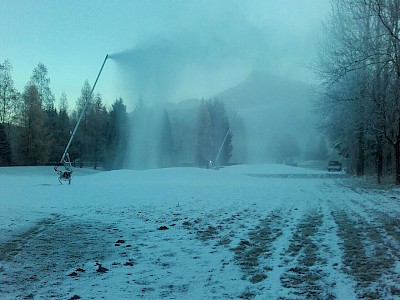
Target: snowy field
x=242 y=232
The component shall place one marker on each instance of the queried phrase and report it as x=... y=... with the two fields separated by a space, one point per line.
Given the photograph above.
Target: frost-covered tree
x=360 y=67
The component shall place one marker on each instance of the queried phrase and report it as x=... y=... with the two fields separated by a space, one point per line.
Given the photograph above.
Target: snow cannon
x=66 y=173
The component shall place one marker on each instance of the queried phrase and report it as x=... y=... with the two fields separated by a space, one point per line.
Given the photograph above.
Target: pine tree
x=117 y=136
x=51 y=119
x=63 y=129
x=80 y=145
x=96 y=124
x=5 y=148
x=64 y=124
x=34 y=142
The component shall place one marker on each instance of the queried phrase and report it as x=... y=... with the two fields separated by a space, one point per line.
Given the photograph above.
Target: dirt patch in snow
x=48 y=250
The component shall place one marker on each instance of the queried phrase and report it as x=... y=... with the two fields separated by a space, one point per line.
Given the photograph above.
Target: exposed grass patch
x=224 y=241
x=209 y=233
x=247 y=295
x=52 y=246
x=392 y=226
x=258 y=278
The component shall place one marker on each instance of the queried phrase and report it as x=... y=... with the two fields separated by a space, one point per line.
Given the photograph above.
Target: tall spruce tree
x=79 y=147
x=63 y=128
x=96 y=134
x=34 y=141
x=51 y=121
x=117 y=136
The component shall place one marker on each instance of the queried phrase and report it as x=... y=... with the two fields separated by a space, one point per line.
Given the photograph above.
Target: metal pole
x=223 y=142
x=83 y=112
x=220 y=148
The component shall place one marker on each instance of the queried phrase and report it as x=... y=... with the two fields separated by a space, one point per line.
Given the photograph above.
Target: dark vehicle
x=334 y=166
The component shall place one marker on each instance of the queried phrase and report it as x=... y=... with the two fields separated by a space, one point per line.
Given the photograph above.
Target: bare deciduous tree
x=360 y=68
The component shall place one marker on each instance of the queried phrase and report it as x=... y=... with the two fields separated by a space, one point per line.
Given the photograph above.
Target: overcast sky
x=212 y=44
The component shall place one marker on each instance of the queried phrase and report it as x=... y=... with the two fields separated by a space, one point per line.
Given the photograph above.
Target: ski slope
x=242 y=232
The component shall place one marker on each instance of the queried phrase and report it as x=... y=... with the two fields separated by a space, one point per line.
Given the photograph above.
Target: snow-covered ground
x=250 y=232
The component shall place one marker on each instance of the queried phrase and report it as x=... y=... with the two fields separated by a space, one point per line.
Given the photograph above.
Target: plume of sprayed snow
x=217 y=54
x=183 y=66
x=190 y=65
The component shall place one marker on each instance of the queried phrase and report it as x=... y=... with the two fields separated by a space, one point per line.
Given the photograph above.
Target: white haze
x=217 y=49
x=198 y=49
x=187 y=66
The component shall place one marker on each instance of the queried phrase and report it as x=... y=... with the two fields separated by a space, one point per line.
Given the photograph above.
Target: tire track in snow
x=386 y=220
x=369 y=253
x=278 y=261
x=253 y=245
x=386 y=201
x=383 y=226
x=253 y=254
x=305 y=276
x=366 y=255
x=382 y=208
x=259 y=253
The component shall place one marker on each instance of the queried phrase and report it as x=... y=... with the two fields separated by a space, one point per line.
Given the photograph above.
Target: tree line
x=359 y=64
x=34 y=130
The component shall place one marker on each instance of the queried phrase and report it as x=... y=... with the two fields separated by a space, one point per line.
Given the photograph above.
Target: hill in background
x=271 y=118
x=276 y=113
